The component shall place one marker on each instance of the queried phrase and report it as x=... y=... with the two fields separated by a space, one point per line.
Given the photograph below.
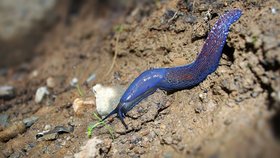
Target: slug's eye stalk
x=121 y=115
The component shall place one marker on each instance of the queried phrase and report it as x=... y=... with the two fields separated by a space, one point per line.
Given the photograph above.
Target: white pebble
x=40 y=94
x=51 y=82
x=273 y=10
x=74 y=82
x=107 y=98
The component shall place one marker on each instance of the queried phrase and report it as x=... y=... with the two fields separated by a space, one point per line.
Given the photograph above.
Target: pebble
x=3 y=120
x=91 y=78
x=80 y=105
x=139 y=150
x=28 y=122
x=168 y=155
x=47 y=127
x=167 y=15
x=144 y=132
x=190 y=19
x=50 y=136
x=34 y=74
x=227 y=122
x=199 y=109
x=40 y=94
x=107 y=98
x=167 y=140
x=106 y=146
x=74 y=82
x=273 y=10
x=7 y=92
x=53 y=134
x=12 y=131
x=135 y=139
x=51 y=83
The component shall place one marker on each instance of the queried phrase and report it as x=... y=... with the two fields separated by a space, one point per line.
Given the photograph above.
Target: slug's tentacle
x=181 y=77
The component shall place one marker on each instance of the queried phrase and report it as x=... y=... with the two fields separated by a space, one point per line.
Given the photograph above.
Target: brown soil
x=235 y=112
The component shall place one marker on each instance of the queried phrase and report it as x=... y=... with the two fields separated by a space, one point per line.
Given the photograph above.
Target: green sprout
x=118 y=28
x=81 y=93
x=92 y=127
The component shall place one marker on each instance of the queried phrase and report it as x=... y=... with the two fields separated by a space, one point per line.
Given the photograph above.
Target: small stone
x=190 y=19
x=198 y=109
x=51 y=83
x=47 y=127
x=50 y=136
x=168 y=140
x=40 y=94
x=162 y=127
x=12 y=131
x=227 y=122
x=273 y=10
x=3 y=120
x=34 y=74
x=91 y=78
x=168 y=155
x=138 y=150
x=135 y=139
x=74 y=82
x=30 y=121
x=107 y=98
x=144 y=132
x=81 y=106
x=7 y=92
x=90 y=148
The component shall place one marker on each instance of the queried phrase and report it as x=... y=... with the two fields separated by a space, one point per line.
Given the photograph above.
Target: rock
x=3 y=120
x=89 y=149
x=12 y=131
x=28 y=122
x=51 y=83
x=167 y=140
x=81 y=105
x=7 y=92
x=47 y=137
x=190 y=19
x=107 y=98
x=53 y=134
x=273 y=10
x=47 y=127
x=106 y=146
x=40 y=94
x=74 y=82
x=17 y=128
x=91 y=78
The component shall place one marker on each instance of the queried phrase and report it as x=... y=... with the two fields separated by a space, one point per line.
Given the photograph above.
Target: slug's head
x=143 y=86
x=121 y=111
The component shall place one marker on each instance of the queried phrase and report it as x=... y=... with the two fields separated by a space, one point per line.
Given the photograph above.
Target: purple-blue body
x=181 y=77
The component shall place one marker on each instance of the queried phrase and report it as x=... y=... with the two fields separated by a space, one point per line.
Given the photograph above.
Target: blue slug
x=181 y=77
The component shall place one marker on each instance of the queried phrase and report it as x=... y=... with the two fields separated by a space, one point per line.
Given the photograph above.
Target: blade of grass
x=81 y=93
x=92 y=127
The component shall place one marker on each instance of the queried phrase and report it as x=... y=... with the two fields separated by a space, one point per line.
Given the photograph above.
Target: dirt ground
x=235 y=112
